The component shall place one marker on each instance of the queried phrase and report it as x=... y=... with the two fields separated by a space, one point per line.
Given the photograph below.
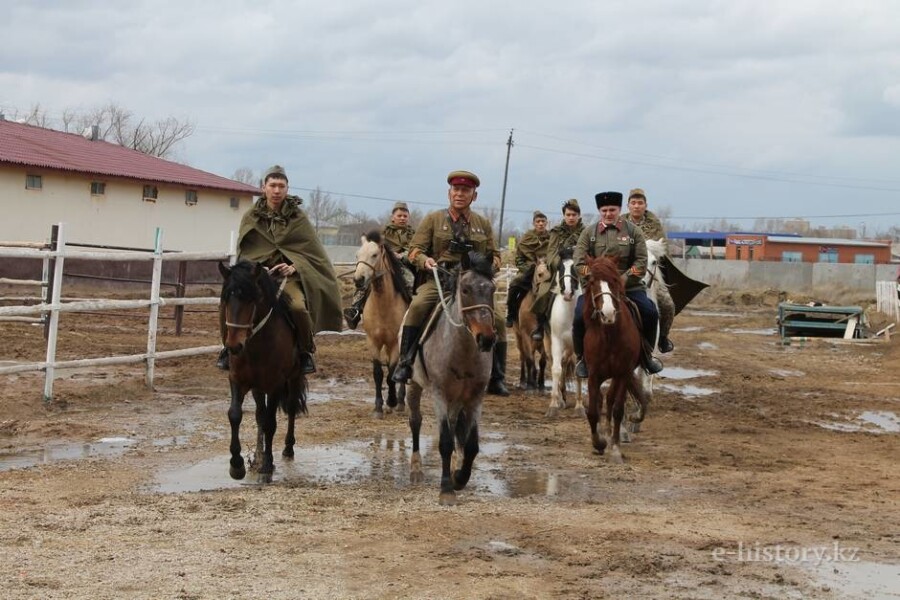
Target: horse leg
x=266 y=410
x=467 y=439
x=617 y=408
x=416 y=475
x=446 y=445
x=378 y=377
x=595 y=396
x=235 y=415
x=392 y=388
x=557 y=376
x=290 y=406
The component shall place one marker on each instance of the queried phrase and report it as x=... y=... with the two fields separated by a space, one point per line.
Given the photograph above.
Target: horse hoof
x=616 y=457
x=634 y=426
x=580 y=412
x=459 y=479
x=552 y=412
x=401 y=408
x=237 y=472
x=378 y=414
x=416 y=476
x=625 y=436
x=288 y=453
x=264 y=478
x=447 y=499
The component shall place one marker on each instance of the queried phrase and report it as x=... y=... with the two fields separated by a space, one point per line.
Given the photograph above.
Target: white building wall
x=119 y=218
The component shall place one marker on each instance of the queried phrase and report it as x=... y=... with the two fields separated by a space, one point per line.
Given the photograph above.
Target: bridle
x=377 y=273
x=255 y=328
x=462 y=309
x=596 y=313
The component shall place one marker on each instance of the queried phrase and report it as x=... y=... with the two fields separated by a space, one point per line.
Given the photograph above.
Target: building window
x=791 y=256
x=34 y=182
x=828 y=256
x=235 y=202
x=98 y=188
x=190 y=197
x=151 y=193
x=864 y=259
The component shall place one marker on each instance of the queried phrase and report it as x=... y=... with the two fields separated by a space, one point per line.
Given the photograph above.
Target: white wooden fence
x=56 y=306
x=886 y=299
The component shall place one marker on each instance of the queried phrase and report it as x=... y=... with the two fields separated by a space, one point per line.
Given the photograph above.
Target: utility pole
x=509 y=145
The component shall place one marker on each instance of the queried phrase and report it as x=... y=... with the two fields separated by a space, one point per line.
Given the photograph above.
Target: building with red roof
x=111 y=195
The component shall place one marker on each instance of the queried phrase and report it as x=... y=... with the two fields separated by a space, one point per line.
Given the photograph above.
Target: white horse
x=566 y=290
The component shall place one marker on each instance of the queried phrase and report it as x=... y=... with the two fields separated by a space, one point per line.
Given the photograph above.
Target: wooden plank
x=851 y=328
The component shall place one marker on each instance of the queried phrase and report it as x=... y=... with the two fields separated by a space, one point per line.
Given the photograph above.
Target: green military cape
x=300 y=245
x=682 y=288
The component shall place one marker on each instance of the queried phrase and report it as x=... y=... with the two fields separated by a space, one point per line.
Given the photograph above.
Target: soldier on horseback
x=622 y=240
x=276 y=233
x=440 y=242
x=531 y=247
x=397 y=235
x=563 y=236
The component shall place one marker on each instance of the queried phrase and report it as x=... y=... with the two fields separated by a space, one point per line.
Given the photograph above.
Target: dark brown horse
x=612 y=350
x=260 y=338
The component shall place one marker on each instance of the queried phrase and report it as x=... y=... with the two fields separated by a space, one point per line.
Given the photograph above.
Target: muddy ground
x=751 y=449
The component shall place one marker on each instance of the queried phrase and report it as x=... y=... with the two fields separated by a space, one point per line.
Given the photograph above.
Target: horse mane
x=479 y=263
x=656 y=248
x=566 y=253
x=394 y=265
x=242 y=283
x=604 y=268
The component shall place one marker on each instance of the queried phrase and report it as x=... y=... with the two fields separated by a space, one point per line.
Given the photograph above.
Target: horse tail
x=294 y=401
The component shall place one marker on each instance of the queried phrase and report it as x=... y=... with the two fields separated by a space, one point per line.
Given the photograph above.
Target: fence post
x=232 y=249
x=179 y=293
x=154 y=307
x=48 y=277
x=59 y=247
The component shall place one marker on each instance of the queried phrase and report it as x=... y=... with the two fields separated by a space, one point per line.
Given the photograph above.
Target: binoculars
x=459 y=246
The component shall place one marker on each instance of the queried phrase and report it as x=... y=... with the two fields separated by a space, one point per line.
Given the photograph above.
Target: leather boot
x=223 y=362
x=497 y=385
x=538 y=334
x=650 y=363
x=307 y=363
x=353 y=313
x=408 y=347
x=581 y=371
x=512 y=306
x=665 y=345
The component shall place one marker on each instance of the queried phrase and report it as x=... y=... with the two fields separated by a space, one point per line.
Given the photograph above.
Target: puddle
x=786 y=373
x=765 y=331
x=383 y=458
x=861 y=580
x=690 y=391
x=681 y=373
x=707 y=346
x=64 y=451
x=712 y=313
x=870 y=421
x=694 y=328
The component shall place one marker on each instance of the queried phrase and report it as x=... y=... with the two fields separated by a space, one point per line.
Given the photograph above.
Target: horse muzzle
x=236 y=349
x=484 y=342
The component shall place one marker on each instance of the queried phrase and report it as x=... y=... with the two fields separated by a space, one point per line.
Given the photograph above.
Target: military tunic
x=531 y=247
x=650 y=225
x=622 y=241
x=561 y=237
x=432 y=239
x=398 y=238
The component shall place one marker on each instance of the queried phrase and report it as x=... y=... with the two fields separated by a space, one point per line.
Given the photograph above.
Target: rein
x=462 y=309
x=600 y=294
x=262 y=323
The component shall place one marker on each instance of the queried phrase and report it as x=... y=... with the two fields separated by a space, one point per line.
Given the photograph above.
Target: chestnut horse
x=612 y=350
x=454 y=362
x=532 y=354
x=260 y=337
x=378 y=269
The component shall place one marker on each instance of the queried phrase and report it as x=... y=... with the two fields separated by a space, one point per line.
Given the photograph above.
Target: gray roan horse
x=454 y=362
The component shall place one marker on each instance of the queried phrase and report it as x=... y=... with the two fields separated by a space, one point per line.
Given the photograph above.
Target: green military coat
x=288 y=236
x=561 y=237
x=433 y=237
x=530 y=248
x=398 y=238
x=650 y=225
x=623 y=241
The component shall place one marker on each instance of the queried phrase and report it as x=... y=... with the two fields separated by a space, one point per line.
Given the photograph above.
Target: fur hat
x=608 y=199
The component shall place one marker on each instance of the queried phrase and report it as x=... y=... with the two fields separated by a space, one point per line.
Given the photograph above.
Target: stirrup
x=352 y=315
x=581 y=371
x=223 y=361
x=653 y=366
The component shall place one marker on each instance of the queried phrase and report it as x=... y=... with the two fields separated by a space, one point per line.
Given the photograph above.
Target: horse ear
x=363 y=239
x=466 y=261
x=225 y=271
x=258 y=269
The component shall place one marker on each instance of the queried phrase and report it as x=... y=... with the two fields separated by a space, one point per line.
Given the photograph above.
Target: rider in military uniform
x=652 y=229
x=532 y=247
x=441 y=240
x=562 y=237
x=617 y=238
x=397 y=235
x=277 y=233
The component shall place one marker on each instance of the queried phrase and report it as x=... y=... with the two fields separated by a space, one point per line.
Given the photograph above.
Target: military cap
x=637 y=193
x=463 y=178
x=571 y=204
x=538 y=215
x=608 y=199
x=275 y=171
x=399 y=206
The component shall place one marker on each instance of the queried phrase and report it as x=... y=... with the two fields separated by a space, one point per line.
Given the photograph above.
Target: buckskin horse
x=532 y=354
x=454 y=363
x=378 y=269
x=260 y=338
x=612 y=350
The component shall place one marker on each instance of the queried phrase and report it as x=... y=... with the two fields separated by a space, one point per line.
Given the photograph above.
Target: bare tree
x=246 y=175
x=323 y=209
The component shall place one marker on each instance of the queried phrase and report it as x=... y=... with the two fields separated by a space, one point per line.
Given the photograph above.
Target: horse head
x=656 y=249
x=566 y=278
x=605 y=289
x=475 y=298
x=368 y=257
x=541 y=272
x=247 y=293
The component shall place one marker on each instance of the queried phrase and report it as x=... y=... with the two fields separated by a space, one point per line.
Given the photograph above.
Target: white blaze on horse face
x=607 y=307
x=568 y=280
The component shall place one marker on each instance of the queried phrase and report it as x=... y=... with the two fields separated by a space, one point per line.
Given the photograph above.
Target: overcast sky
x=718 y=109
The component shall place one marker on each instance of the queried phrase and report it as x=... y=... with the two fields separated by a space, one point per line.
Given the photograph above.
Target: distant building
x=111 y=195
x=781 y=248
